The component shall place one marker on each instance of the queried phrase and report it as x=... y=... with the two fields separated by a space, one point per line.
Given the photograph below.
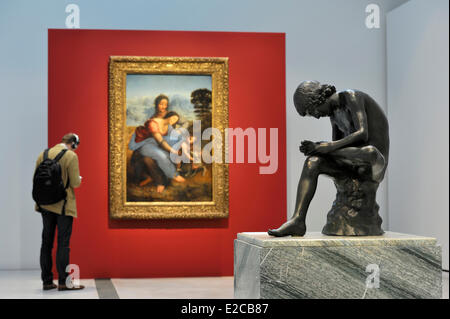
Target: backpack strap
x=63 y=212
x=45 y=154
x=56 y=159
x=60 y=154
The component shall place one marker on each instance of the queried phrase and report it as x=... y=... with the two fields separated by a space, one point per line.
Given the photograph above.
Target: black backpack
x=48 y=186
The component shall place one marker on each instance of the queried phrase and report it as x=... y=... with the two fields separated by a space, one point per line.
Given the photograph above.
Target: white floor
x=176 y=288
x=27 y=285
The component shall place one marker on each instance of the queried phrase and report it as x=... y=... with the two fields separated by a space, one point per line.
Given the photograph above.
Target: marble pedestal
x=392 y=265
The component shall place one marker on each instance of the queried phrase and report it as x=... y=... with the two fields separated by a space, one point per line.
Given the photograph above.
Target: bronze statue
x=356 y=160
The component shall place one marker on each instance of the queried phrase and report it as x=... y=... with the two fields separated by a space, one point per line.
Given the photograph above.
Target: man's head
x=71 y=140
x=312 y=99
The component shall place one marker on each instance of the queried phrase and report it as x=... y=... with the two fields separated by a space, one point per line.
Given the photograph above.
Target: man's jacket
x=69 y=170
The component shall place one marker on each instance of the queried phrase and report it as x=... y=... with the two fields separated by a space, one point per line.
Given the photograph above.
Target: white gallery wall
x=326 y=40
x=418 y=110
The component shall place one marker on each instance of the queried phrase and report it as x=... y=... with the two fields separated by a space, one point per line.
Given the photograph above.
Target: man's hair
x=69 y=138
x=310 y=94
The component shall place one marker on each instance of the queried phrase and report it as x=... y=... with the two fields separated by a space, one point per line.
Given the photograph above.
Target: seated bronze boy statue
x=356 y=159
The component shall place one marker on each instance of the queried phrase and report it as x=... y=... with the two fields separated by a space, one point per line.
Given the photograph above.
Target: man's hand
x=311 y=148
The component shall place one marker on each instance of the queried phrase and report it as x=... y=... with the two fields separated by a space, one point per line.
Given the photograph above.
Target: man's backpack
x=48 y=186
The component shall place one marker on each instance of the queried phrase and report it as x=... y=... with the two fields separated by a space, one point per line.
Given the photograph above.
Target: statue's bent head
x=311 y=97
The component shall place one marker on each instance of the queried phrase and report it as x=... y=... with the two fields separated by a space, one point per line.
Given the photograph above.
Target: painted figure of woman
x=154 y=141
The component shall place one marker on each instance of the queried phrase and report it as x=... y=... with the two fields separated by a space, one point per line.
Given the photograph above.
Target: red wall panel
x=78 y=102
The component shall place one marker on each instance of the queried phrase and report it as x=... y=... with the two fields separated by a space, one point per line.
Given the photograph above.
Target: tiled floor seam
x=105 y=289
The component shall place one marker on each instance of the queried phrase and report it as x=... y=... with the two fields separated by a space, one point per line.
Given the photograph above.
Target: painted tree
x=202 y=101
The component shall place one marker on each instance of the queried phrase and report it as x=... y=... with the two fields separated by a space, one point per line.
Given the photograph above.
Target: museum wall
x=325 y=40
x=418 y=95
x=78 y=62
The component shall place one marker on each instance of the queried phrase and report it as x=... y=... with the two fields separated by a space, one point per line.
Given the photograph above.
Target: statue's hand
x=307 y=147
x=311 y=148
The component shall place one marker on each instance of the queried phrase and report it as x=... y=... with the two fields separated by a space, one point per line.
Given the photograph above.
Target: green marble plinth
x=392 y=265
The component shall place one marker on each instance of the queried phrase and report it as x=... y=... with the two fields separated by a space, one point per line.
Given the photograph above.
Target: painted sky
x=142 y=89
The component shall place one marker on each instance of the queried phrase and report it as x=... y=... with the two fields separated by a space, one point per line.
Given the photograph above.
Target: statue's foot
x=293 y=227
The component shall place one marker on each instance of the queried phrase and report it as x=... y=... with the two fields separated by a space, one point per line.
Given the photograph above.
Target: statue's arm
x=356 y=105
x=336 y=132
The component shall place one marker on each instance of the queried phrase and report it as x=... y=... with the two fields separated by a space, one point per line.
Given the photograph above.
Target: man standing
x=60 y=214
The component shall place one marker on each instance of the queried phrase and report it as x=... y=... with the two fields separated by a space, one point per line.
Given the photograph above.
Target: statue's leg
x=367 y=156
x=313 y=167
x=355 y=211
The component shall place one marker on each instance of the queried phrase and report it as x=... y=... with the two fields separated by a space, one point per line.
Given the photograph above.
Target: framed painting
x=162 y=164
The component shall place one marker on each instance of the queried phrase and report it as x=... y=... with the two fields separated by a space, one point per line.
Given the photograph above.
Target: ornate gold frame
x=119 y=66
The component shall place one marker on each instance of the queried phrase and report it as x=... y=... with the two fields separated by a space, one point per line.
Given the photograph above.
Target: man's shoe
x=49 y=286
x=64 y=287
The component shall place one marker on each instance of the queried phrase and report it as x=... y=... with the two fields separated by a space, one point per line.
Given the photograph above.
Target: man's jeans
x=51 y=221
